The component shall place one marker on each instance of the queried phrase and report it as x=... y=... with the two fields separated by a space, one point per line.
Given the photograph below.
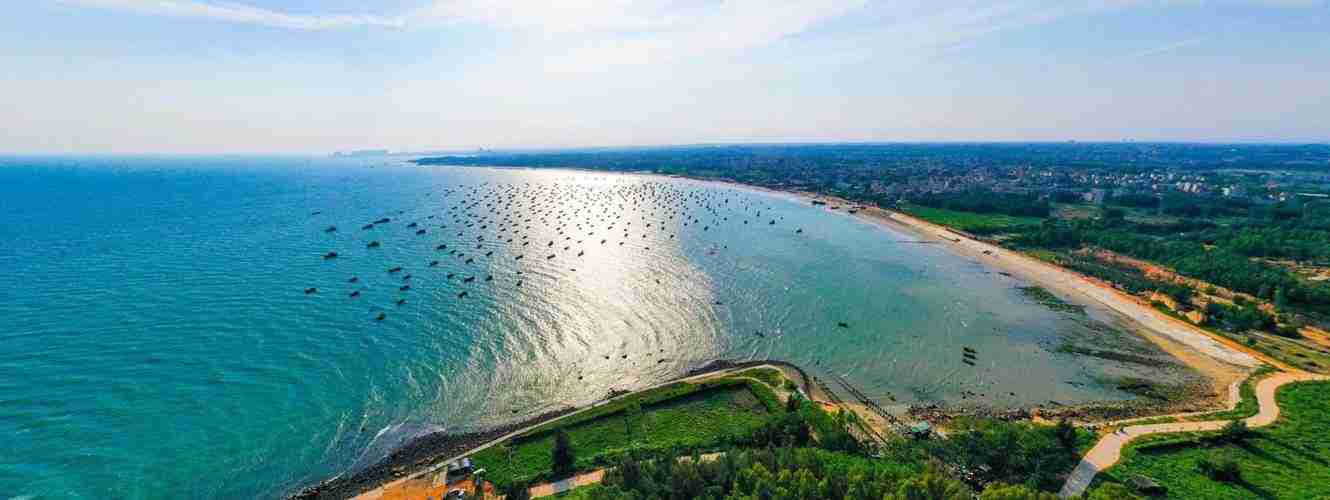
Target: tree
x=999 y=491
x=793 y=403
x=517 y=490
x=932 y=485
x=1112 y=491
x=630 y=472
x=1066 y=434
x=565 y=461
x=1223 y=469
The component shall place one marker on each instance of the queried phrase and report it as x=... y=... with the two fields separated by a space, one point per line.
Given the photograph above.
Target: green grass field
x=1290 y=459
x=971 y=222
x=683 y=415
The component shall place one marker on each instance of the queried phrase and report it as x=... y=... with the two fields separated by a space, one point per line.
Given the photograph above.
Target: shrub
x=1224 y=470
x=1112 y=491
x=1066 y=435
x=999 y=491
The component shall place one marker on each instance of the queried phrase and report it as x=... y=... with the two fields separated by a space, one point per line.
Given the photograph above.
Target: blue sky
x=202 y=76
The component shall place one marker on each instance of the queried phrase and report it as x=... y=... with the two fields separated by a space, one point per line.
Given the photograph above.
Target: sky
x=315 y=76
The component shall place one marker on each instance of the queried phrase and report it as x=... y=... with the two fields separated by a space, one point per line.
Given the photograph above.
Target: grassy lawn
x=1290 y=459
x=684 y=415
x=969 y=221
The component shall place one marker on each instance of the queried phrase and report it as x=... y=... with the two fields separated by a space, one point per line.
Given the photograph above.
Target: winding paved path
x=1109 y=448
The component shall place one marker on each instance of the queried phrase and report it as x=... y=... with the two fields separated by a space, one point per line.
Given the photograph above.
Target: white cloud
x=239 y=13
x=1168 y=47
x=569 y=16
x=584 y=72
x=573 y=33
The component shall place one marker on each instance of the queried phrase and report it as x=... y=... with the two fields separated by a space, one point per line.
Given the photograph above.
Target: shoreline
x=1223 y=365
x=429 y=453
x=1218 y=360
x=1213 y=358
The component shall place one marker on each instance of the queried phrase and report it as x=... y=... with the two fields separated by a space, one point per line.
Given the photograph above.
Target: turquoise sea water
x=157 y=340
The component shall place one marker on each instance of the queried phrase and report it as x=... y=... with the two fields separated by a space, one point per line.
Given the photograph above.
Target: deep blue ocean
x=157 y=339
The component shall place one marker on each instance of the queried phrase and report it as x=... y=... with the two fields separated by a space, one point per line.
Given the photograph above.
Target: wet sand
x=1217 y=359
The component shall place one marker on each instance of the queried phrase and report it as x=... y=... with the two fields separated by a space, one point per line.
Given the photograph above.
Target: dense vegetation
x=821 y=160
x=1286 y=460
x=984 y=201
x=1300 y=239
x=994 y=451
x=1218 y=261
x=800 y=473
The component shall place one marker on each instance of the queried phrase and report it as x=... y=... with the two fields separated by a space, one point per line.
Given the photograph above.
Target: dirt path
x=1109 y=448
x=593 y=477
x=557 y=487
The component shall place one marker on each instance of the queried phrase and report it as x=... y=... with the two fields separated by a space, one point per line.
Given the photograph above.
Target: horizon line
x=520 y=149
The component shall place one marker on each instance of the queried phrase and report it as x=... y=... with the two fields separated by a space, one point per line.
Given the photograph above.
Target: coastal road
x=1108 y=450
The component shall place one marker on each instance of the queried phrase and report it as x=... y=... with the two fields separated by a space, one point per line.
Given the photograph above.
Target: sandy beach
x=1221 y=360
x=1218 y=359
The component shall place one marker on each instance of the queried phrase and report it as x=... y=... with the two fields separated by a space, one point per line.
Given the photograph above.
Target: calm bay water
x=156 y=340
